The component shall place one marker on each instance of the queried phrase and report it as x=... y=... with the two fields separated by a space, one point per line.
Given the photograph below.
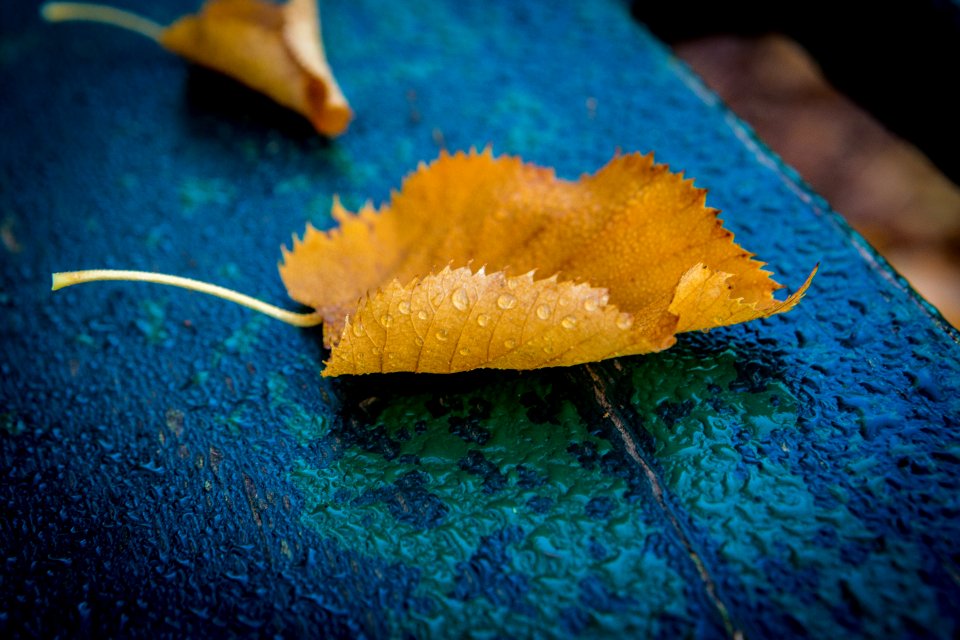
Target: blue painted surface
x=172 y=464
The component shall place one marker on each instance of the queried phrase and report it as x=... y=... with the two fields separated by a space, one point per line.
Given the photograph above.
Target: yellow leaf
x=275 y=49
x=458 y=320
x=704 y=299
x=483 y=262
x=636 y=237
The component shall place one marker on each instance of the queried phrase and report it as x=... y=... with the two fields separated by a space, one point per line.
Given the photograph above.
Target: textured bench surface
x=172 y=463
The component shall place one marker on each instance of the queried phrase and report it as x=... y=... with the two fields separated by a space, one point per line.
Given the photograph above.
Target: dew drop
x=460 y=299
x=375 y=351
x=625 y=321
x=569 y=322
x=510 y=344
x=543 y=312
x=358 y=329
x=590 y=304
x=404 y=307
x=418 y=341
x=465 y=351
x=437 y=295
x=548 y=349
x=386 y=320
x=483 y=319
x=422 y=314
x=604 y=299
x=441 y=335
x=506 y=301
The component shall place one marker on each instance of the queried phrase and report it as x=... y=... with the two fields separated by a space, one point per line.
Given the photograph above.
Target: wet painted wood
x=172 y=464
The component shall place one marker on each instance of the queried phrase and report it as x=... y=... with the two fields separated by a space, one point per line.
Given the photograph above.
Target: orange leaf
x=458 y=320
x=630 y=256
x=483 y=262
x=275 y=49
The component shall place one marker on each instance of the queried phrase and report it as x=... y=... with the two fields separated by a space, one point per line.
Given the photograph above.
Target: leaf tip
x=334 y=119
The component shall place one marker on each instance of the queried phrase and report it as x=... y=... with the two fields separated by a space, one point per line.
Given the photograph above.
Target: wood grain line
x=609 y=412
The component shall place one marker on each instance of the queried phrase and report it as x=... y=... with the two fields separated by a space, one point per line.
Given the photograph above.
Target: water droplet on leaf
x=437 y=295
x=460 y=299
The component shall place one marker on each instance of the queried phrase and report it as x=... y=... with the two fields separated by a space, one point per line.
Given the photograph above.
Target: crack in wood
x=611 y=413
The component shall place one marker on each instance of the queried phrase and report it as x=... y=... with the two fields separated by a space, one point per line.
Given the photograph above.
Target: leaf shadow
x=214 y=101
x=370 y=394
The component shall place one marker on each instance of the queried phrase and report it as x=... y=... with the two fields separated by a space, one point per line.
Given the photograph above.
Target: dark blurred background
x=859 y=98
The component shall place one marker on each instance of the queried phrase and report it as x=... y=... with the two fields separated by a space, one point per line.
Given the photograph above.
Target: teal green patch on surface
x=534 y=484
x=11 y=423
x=714 y=435
x=196 y=193
x=228 y=270
x=85 y=339
x=294 y=184
x=153 y=323
x=317 y=212
x=534 y=128
x=305 y=425
x=243 y=340
x=130 y=182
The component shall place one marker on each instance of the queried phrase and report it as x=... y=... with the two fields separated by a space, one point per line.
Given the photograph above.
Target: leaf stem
x=70 y=278
x=64 y=11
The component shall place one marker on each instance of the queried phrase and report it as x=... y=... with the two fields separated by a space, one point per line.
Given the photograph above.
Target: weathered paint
x=171 y=464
